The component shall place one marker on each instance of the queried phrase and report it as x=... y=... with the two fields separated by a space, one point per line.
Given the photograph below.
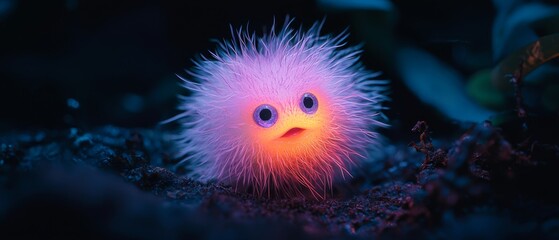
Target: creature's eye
x=265 y=115
x=309 y=103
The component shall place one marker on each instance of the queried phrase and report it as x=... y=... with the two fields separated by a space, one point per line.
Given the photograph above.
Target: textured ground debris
x=115 y=182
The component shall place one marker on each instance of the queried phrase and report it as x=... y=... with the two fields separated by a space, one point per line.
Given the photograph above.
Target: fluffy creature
x=285 y=113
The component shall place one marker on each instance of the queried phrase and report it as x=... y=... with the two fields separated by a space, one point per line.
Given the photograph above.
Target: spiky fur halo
x=220 y=141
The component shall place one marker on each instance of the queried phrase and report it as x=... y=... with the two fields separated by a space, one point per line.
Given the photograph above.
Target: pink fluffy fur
x=217 y=138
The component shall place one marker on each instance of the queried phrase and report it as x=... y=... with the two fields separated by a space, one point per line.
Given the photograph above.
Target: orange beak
x=293 y=132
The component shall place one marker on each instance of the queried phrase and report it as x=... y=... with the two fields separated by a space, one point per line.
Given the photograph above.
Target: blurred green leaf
x=526 y=59
x=514 y=24
x=439 y=85
x=480 y=88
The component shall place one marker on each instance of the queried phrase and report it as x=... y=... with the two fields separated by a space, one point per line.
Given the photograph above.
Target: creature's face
x=286 y=121
x=290 y=127
x=285 y=113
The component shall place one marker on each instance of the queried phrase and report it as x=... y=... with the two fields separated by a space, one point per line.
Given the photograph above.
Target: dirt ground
x=112 y=182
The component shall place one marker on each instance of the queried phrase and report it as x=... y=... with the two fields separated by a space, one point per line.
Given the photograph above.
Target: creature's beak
x=293 y=132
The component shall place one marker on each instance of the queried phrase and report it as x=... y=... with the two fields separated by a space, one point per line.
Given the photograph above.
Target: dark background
x=84 y=84
x=89 y=63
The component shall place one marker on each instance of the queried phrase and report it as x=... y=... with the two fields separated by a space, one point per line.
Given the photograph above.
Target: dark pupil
x=308 y=102
x=265 y=114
